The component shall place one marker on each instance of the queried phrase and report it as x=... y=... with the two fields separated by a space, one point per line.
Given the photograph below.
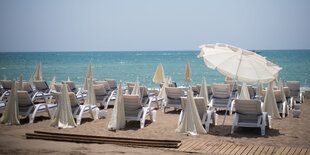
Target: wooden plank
x=216 y=151
x=298 y=149
x=208 y=148
x=291 y=152
x=190 y=148
x=241 y=150
x=286 y=150
x=271 y=150
x=215 y=146
x=248 y=149
x=253 y=149
x=237 y=149
x=187 y=145
x=303 y=151
x=280 y=150
x=259 y=150
x=199 y=147
x=225 y=148
x=265 y=150
x=230 y=149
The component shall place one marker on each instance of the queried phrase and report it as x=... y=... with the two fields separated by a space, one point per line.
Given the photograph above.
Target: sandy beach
x=288 y=131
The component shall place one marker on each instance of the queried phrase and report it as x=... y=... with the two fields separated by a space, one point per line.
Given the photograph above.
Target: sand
x=288 y=131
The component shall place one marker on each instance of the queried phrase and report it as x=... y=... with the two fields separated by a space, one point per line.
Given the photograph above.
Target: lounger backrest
x=73 y=101
x=250 y=89
x=24 y=101
x=277 y=95
x=200 y=104
x=294 y=87
x=248 y=110
x=112 y=83
x=130 y=84
x=287 y=92
x=221 y=90
x=41 y=85
x=209 y=90
x=100 y=91
x=6 y=84
x=105 y=83
x=131 y=105
x=27 y=87
x=173 y=84
x=232 y=83
x=174 y=95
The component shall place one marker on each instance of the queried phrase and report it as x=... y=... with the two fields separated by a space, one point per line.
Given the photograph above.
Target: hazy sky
x=74 y=25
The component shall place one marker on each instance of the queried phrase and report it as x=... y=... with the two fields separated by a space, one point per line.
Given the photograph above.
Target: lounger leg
x=153 y=115
x=263 y=124
x=142 y=120
x=234 y=123
x=31 y=118
x=207 y=123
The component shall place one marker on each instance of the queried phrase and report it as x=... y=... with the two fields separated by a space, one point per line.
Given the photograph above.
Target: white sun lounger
x=101 y=95
x=249 y=114
x=294 y=87
x=221 y=98
x=173 y=98
x=42 y=90
x=28 y=108
x=134 y=111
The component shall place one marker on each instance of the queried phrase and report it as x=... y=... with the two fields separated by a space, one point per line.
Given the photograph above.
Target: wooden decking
x=237 y=149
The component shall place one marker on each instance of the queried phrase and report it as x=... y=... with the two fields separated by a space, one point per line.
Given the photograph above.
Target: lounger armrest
x=1 y=98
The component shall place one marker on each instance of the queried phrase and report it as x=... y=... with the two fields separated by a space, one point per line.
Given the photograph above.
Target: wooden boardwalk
x=192 y=146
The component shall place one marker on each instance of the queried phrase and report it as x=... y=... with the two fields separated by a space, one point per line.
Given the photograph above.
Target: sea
x=127 y=66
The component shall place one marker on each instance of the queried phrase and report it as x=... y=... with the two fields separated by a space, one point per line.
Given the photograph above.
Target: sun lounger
x=205 y=115
x=234 y=87
x=6 y=85
x=282 y=105
x=196 y=90
x=221 y=98
x=42 y=90
x=294 y=87
x=249 y=114
x=101 y=95
x=250 y=89
x=112 y=83
x=173 y=98
x=144 y=95
x=288 y=97
x=28 y=108
x=134 y=111
x=28 y=88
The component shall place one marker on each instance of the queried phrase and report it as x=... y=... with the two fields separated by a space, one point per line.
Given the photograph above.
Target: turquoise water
x=127 y=66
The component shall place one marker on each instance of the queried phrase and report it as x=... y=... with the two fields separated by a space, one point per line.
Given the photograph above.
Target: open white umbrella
x=10 y=115
x=38 y=73
x=64 y=117
x=188 y=73
x=159 y=75
x=117 y=120
x=191 y=122
x=244 y=94
x=239 y=64
x=270 y=104
x=88 y=75
x=204 y=91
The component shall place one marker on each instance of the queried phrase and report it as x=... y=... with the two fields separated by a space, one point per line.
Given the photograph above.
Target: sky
x=151 y=25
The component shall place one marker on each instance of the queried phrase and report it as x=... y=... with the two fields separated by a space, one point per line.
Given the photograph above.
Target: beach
x=289 y=131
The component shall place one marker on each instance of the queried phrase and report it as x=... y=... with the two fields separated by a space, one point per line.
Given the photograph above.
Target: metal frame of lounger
x=28 y=108
x=249 y=114
x=134 y=111
x=204 y=114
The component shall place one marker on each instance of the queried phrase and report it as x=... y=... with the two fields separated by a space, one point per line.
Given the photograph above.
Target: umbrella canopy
x=281 y=88
x=51 y=86
x=188 y=73
x=191 y=122
x=259 y=91
x=64 y=117
x=38 y=73
x=117 y=120
x=4 y=77
x=10 y=115
x=237 y=63
x=68 y=79
x=244 y=94
x=89 y=73
x=20 y=84
x=270 y=104
x=204 y=91
x=90 y=98
x=159 y=76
